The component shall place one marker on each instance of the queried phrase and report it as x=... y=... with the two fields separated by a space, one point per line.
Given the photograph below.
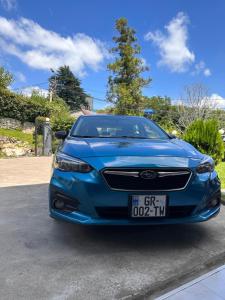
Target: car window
x=133 y=127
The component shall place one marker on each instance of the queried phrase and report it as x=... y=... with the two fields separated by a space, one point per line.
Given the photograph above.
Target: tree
x=6 y=78
x=66 y=86
x=126 y=83
x=160 y=105
x=195 y=104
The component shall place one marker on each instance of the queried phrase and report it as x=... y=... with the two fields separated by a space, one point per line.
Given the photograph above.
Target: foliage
x=126 y=83
x=63 y=122
x=219 y=115
x=57 y=107
x=163 y=110
x=17 y=134
x=6 y=78
x=107 y=110
x=19 y=107
x=204 y=135
x=27 y=109
x=66 y=86
x=220 y=168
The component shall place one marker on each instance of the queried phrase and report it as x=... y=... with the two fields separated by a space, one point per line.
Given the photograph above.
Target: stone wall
x=10 y=123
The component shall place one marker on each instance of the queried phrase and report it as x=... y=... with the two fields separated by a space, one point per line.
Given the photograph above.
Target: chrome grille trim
x=122 y=173
x=136 y=174
x=109 y=170
x=177 y=173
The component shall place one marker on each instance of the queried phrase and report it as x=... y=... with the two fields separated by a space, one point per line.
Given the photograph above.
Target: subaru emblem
x=148 y=174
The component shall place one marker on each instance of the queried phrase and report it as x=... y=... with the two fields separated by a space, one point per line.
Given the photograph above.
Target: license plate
x=143 y=206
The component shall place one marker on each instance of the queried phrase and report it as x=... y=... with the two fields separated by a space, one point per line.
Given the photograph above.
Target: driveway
x=41 y=258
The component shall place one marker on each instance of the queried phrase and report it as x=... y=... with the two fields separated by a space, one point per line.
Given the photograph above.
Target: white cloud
x=172 y=45
x=29 y=90
x=43 y=49
x=218 y=101
x=201 y=68
x=8 y=4
x=20 y=77
x=207 y=72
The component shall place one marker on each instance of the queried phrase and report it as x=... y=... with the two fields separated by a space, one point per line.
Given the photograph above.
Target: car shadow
x=110 y=238
x=27 y=207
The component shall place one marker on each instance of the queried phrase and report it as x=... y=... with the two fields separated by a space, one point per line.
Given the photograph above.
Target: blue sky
x=180 y=40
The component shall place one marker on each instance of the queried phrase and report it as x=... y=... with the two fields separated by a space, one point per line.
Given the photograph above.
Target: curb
x=190 y=283
x=158 y=289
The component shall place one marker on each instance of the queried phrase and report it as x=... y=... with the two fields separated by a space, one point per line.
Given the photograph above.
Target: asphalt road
x=41 y=258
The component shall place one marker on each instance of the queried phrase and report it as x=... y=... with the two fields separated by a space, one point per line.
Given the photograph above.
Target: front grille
x=129 y=179
x=123 y=212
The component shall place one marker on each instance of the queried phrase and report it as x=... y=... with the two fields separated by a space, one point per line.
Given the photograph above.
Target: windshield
x=117 y=127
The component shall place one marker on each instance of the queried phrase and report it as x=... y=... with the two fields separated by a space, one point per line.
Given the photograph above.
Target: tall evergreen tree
x=126 y=83
x=66 y=86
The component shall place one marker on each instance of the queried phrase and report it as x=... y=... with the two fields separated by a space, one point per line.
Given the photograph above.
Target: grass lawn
x=17 y=134
x=220 y=168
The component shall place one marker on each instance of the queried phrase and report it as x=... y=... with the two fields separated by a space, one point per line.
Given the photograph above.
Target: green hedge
x=20 y=108
x=205 y=136
x=28 y=109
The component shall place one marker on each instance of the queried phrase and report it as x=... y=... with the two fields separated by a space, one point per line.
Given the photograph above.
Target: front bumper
x=89 y=192
x=80 y=218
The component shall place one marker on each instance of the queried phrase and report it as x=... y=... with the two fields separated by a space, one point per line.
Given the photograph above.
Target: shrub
x=63 y=122
x=28 y=109
x=20 y=107
x=204 y=135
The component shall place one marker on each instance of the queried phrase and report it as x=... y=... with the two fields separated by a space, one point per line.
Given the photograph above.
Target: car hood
x=111 y=147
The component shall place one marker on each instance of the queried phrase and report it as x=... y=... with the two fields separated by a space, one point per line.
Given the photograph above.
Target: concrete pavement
x=25 y=171
x=41 y=258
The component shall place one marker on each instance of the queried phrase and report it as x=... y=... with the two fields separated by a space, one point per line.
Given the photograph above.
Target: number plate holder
x=148 y=206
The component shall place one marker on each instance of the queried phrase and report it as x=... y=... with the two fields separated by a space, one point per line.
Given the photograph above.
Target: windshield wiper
x=132 y=137
x=85 y=136
x=112 y=137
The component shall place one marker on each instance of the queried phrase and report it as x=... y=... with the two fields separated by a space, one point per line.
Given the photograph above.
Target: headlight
x=206 y=166
x=67 y=163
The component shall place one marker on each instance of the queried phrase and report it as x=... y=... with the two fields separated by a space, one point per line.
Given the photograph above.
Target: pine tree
x=126 y=83
x=66 y=86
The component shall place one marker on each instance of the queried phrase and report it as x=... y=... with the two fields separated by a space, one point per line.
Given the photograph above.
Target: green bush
x=63 y=122
x=28 y=109
x=204 y=135
x=56 y=108
x=20 y=107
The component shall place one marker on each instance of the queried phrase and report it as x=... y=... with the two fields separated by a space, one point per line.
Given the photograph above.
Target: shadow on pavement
x=28 y=207
x=135 y=237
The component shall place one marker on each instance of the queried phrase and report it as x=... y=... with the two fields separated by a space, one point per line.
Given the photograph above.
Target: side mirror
x=172 y=136
x=61 y=135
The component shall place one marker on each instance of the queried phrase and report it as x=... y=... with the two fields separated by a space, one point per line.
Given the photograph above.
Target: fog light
x=65 y=203
x=214 y=202
x=59 y=204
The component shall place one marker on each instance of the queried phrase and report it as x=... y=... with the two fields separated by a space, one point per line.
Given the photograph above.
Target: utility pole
x=50 y=95
x=52 y=87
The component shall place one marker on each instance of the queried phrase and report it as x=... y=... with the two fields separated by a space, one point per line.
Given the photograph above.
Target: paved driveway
x=41 y=258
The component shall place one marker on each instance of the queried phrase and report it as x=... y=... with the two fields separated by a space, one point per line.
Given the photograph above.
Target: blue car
x=126 y=170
